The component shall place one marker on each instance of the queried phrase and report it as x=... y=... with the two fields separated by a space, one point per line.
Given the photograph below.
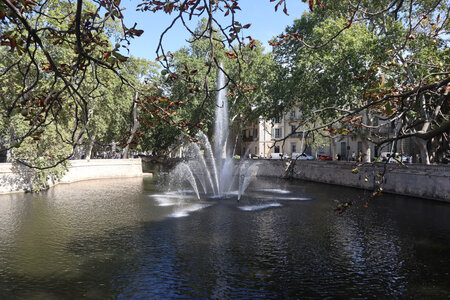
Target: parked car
x=324 y=157
x=392 y=158
x=402 y=158
x=302 y=156
x=276 y=156
x=386 y=155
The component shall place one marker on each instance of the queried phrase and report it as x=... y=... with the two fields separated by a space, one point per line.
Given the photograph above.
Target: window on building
x=292 y=115
x=277 y=120
x=293 y=147
x=276 y=149
x=255 y=132
x=359 y=148
x=293 y=128
x=278 y=133
x=343 y=150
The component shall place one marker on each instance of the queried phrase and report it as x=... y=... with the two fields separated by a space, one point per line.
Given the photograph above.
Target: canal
x=131 y=238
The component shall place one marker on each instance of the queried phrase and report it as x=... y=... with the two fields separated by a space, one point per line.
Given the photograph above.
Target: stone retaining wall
x=432 y=181
x=16 y=178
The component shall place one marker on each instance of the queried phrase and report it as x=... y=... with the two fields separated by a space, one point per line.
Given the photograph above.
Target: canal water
x=131 y=238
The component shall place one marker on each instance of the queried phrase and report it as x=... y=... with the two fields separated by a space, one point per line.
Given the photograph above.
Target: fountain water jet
x=220 y=174
x=246 y=173
x=182 y=169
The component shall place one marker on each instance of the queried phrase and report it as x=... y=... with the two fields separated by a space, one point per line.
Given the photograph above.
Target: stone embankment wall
x=16 y=178
x=425 y=181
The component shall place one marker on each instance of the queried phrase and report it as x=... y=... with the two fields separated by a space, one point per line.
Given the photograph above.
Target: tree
x=55 y=51
x=192 y=85
x=54 y=44
x=345 y=63
x=64 y=48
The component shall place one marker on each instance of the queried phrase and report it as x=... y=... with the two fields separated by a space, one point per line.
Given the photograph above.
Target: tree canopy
x=66 y=81
x=344 y=62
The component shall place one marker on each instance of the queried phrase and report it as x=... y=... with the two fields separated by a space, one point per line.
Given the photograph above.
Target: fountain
x=213 y=168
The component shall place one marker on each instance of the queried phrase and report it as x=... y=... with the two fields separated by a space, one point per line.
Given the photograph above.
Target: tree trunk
x=134 y=128
x=333 y=153
x=79 y=137
x=79 y=147
x=113 y=149
x=9 y=153
x=366 y=157
x=423 y=150
x=426 y=115
x=366 y=151
x=91 y=145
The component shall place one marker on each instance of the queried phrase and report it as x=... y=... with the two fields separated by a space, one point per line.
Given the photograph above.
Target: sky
x=266 y=23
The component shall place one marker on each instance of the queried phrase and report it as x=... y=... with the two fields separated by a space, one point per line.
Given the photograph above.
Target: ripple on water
x=276 y=191
x=166 y=201
x=258 y=207
x=180 y=192
x=295 y=199
x=169 y=199
x=186 y=210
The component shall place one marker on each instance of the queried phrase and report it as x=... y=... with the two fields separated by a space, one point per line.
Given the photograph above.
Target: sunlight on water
x=186 y=210
x=294 y=199
x=258 y=207
x=277 y=191
x=180 y=192
x=170 y=201
x=235 y=192
x=129 y=239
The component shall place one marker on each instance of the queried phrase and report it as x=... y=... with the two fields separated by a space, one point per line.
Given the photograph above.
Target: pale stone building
x=279 y=135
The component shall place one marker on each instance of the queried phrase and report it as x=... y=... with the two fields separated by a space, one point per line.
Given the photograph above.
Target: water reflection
x=119 y=238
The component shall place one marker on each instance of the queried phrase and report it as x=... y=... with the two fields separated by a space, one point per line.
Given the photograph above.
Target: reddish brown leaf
x=231 y=55
x=138 y=32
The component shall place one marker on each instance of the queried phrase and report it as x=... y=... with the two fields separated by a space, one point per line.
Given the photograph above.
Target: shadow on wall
x=15 y=177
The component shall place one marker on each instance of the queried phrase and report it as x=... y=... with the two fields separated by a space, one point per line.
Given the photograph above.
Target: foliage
x=41 y=149
x=346 y=64
x=63 y=78
x=191 y=84
x=63 y=74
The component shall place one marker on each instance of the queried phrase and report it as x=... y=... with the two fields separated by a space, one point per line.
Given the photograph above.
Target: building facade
x=280 y=135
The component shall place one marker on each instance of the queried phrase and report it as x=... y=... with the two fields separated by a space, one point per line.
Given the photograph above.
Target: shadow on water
x=112 y=239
